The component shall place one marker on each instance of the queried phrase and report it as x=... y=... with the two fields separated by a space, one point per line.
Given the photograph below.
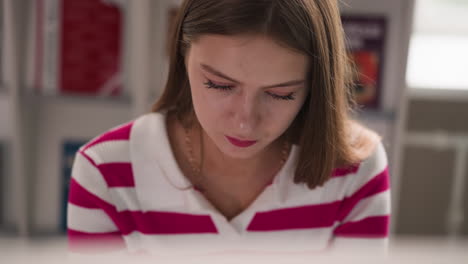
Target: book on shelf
x=365 y=42
x=69 y=150
x=78 y=48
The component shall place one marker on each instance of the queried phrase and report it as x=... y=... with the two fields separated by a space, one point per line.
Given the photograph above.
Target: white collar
x=152 y=157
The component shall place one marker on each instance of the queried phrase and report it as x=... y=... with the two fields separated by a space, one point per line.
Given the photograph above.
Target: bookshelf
x=40 y=124
x=35 y=127
x=390 y=119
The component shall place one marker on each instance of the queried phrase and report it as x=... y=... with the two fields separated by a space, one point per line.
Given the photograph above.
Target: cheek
x=282 y=114
x=281 y=118
x=210 y=106
x=208 y=99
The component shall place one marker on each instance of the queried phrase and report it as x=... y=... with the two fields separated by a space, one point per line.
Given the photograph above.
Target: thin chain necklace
x=197 y=168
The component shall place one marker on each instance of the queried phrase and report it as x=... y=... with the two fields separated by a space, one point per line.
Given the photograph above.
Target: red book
x=79 y=47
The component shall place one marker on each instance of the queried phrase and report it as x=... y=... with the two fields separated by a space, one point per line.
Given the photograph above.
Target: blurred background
x=71 y=69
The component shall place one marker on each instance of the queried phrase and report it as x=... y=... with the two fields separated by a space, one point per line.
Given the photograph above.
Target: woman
x=251 y=141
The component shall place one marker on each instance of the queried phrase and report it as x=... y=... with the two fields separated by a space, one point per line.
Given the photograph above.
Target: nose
x=246 y=114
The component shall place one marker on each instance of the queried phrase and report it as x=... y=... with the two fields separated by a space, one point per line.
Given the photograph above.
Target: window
x=438 y=54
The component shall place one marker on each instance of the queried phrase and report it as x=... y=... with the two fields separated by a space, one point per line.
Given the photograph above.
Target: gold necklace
x=197 y=170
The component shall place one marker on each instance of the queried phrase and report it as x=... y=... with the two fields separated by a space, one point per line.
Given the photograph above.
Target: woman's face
x=246 y=90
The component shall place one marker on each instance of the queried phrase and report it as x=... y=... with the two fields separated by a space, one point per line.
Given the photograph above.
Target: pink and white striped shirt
x=127 y=187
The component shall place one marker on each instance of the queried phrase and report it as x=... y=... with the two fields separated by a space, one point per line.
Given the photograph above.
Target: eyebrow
x=224 y=76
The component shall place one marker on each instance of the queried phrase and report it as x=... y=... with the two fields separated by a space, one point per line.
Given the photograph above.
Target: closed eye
x=211 y=85
x=289 y=96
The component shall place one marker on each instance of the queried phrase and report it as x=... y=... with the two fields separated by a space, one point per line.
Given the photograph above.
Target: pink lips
x=241 y=143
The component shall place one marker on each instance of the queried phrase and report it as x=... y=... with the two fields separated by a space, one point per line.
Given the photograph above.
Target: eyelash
x=210 y=85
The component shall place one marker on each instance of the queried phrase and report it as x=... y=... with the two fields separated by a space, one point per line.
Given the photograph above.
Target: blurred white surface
x=401 y=251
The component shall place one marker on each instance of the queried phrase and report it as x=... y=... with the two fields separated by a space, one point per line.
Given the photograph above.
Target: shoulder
x=110 y=151
x=370 y=159
x=111 y=144
x=103 y=170
x=376 y=161
x=363 y=142
x=115 y=134
x=365 y=149
x=372 y=172
x=104 y=162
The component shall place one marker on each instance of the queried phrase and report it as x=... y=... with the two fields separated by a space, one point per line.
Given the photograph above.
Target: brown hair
x=327 y=136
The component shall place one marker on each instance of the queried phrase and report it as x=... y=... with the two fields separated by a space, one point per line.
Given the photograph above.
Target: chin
x=240 y=153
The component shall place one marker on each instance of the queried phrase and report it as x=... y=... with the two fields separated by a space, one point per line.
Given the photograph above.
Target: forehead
x=244 y=54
